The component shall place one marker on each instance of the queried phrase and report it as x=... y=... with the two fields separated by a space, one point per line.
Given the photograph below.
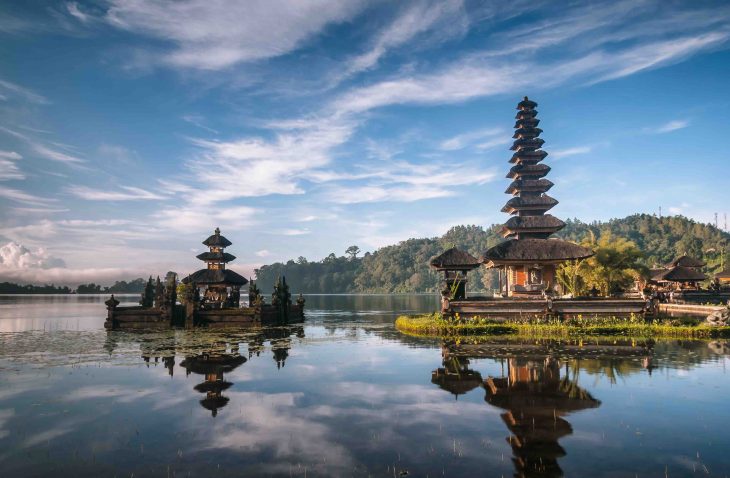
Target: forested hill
x=403 y=267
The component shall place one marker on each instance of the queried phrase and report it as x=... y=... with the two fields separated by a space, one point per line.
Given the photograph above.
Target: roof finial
x=217 y=231
x=526 y=98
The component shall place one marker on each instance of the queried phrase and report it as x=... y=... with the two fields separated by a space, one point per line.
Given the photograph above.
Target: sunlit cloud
x=127 y=193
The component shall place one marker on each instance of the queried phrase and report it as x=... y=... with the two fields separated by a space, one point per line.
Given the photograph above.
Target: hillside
x=403 y=267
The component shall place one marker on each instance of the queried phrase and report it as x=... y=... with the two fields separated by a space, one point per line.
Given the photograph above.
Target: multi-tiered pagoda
x=527 y=260
x=221 y=285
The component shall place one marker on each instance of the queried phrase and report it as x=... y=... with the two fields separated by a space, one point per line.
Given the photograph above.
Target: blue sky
x=129 y=129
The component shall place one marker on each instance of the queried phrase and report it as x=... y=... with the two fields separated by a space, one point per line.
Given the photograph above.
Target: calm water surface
x=344 y=394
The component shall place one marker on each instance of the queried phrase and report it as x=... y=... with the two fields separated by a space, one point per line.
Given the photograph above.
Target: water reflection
x=538 y=389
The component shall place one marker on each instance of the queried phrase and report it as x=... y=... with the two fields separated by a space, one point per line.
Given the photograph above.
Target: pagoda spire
x=529 y=186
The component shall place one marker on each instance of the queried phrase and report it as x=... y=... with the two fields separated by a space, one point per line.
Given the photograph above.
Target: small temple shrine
x=454 y=264
x=528 y=259
x=210 y=298
x=221 y=286
x=682 y=273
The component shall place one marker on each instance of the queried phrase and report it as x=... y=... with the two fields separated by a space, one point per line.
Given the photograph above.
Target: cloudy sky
x=129 y=129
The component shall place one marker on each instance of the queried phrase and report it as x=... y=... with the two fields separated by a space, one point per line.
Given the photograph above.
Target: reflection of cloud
x=5 y=415
x=121 y=395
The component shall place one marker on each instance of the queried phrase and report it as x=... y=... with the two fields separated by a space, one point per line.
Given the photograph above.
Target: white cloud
x=263 y=253
x=128 y=193
x=8 y=169
x=216 y=34
x=20 y=91
x=55 y=155
x=22 y=196
x=74 y=10
x=670 y=126
x=574 y=151
x=16 y=256
x=448 y=17
x=201 y=218
x=463 y=140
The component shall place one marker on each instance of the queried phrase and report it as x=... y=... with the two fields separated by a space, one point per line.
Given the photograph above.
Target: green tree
x=615 y=265
x=352 y=251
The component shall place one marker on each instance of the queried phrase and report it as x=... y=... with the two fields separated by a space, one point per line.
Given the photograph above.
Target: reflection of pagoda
x=536 y=399
x=527 y=261
x=213 y=367
x=222 y=286
x=455 y=376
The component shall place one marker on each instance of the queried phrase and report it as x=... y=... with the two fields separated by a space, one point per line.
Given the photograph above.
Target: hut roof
x=215 y=276
x=686 y=261
x=543 y=202
x=532 y=122
x=526 y=103
x=545 y=221
x=216 y=256
x=531 y=249
x=454 y=259
x=680 y=274
x=216 y=240
x=521 y=114
x=456 y=383
x=541 y=185
x=527 y=131
x=535 y=143
x=532 y=170
x=723 y=275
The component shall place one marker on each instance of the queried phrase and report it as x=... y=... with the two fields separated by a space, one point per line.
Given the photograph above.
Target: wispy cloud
x=22 y=92
x=216 y=34
x=669 y=126
x=9 y=170
x=574 y=151
x=465 y=139
x=55 y=155
x=127 y=193
x=22 y=196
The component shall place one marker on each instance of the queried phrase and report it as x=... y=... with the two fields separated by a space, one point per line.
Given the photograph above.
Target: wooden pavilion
x=723 y=277
x=528 y=259
x=682 y=273
x=455 y=263
x=221 y=286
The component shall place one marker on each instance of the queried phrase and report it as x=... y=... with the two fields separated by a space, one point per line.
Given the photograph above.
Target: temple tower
x=527 y=260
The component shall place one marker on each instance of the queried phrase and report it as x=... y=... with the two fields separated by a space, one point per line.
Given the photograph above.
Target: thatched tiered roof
x=216 y=240
x=687 y=261
x=454 y=259
x=679 y=274
x=535 y=250
x=530 y=226
x=215 y=276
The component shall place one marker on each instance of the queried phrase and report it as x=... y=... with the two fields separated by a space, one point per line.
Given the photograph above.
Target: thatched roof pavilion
x=687 y=261
x=527 y=260
x=679 y=274
x=455 y=263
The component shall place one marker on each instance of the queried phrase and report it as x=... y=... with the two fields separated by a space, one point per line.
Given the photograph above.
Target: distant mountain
x=403 y=267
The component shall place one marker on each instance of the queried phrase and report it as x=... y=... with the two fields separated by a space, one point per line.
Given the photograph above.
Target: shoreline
x=433 y=326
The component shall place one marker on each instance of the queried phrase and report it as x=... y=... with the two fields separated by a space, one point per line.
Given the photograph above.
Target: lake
x=345 y=394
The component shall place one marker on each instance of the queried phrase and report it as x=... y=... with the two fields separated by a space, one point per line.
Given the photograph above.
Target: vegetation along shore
x=434 y=325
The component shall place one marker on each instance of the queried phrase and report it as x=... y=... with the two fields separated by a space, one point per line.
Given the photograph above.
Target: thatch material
x=215 y=276
x=538 y=185
x=680 y=274
x=456 y=383
x=522 y=114
x=687 y=261
x=454 y=259
x=530 y=170
x=526 y=103
x=537 y=250
x=216 y=256
x=527 y=132
x=532 y=143
x=527 y=156
x=527 y=122
x=542 y=203
x=542 y=222
x=216 y=240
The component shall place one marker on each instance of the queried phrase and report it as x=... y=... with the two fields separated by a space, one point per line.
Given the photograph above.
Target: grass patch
x=434 y=325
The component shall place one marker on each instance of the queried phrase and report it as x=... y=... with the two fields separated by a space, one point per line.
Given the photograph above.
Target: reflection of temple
x=536 y=399
x=213 y=367
x=538 y=388
x=455 y=376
